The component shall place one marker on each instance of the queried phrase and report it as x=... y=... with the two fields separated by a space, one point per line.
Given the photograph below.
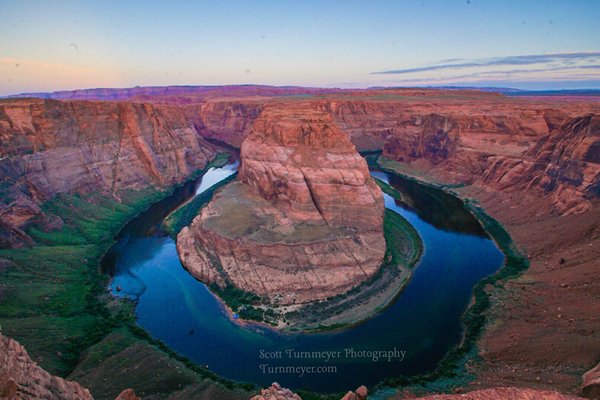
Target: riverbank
x=54 y=301
x=535 y=320
x=542 y=326
x=455 y=371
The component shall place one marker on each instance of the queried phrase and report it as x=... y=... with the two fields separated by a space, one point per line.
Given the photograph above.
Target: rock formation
x=565 y=163
x=360 y=394
x=591 y=383
x=304 y=221
x=458 y=136
x=22 y=379
x=128 y=394
x=298 y=159
x=276 y=392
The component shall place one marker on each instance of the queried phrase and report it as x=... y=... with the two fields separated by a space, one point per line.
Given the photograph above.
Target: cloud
x=514 y=77
x=551 y=60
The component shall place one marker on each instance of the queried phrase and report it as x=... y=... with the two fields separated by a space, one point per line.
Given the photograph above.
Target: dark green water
x=424 y=321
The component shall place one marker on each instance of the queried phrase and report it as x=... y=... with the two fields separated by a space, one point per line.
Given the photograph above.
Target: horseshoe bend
x=302 y=227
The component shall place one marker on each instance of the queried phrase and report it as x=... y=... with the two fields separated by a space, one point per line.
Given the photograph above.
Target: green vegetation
x=247 y=305
x=54 y=295
x=388 y=189
x=316 y=396
x=515 y=262
x=403 y=243
x=129 y=357
x=53 y=300
x=220 y=160
x=184 y=215
x=235 y=297
x=370 y=154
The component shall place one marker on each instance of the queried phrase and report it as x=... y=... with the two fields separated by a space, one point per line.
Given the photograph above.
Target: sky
x=61 y=45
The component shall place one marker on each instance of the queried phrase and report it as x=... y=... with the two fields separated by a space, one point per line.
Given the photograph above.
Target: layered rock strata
x=302 y=223
x=49 y=147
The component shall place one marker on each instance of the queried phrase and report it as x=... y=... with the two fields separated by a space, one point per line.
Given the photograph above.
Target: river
x=424 y=321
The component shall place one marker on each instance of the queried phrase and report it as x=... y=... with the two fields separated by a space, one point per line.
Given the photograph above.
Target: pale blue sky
x=53 y=45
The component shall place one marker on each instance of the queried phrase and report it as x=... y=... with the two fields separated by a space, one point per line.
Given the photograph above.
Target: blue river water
x=423 y=323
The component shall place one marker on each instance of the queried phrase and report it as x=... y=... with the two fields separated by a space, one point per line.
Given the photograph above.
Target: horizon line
x=332 y=87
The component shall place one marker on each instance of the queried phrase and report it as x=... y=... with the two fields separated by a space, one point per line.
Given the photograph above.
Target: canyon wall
x=49 y=147
x=276 y=392
x=465 y=137
x=507 y=144
x=511 y=144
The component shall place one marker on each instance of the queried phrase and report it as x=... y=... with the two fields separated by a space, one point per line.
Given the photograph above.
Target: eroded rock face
x=49 y=147
x=276 y=392
x=128 y=394
x=591 y=383
x=302 y=223
x=360 y=394
x=21 y=378
x=297 y=158
x=564 y=164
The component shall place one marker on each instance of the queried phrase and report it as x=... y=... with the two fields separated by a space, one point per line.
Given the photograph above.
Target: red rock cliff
x=298 y=158
x=49 y=147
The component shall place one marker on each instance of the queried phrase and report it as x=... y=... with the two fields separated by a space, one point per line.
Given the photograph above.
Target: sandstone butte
x=302 y=223
x=531 y=162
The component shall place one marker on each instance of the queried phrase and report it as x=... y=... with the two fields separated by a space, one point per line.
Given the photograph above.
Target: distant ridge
x=195 y=92
x=522 y=92
x=506 y=91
